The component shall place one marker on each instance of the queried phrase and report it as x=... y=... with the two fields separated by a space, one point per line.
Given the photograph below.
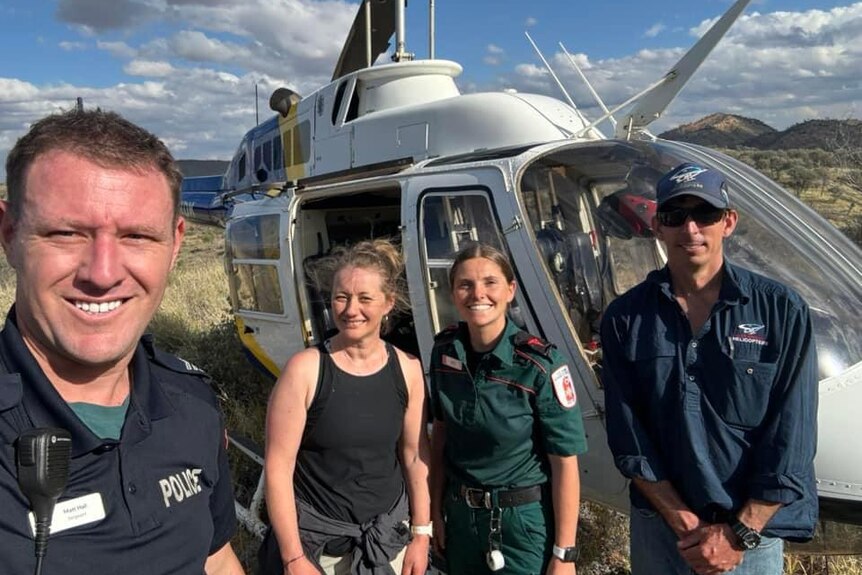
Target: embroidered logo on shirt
x=749 y=333
x=180 y=486
x=452 y=362
x=564 y=387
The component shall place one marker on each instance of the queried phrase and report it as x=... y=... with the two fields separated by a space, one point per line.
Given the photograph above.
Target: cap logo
x=687 y=174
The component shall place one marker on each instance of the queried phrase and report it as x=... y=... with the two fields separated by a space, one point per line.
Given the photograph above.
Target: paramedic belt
x=477 y=498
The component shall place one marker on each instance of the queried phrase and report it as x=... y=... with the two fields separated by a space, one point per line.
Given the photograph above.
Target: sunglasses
x=702 y=215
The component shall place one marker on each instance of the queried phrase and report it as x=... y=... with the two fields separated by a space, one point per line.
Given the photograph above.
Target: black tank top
x=347 y=466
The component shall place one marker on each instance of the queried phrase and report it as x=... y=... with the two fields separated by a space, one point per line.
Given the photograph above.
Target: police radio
x=43 y=471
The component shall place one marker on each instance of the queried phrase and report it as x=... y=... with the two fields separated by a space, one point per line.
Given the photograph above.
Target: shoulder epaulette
x=528 y=342
x=170 y=361
x=447 y=334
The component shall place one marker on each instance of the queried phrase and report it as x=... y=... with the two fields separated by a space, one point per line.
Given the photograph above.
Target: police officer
x=91 y=228
x=506 y=434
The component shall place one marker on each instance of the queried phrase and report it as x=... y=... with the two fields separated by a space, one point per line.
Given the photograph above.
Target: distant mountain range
x=194 y=168
x=732 y=131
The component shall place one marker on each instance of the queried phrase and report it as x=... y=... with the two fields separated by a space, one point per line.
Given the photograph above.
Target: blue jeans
x=653 y=550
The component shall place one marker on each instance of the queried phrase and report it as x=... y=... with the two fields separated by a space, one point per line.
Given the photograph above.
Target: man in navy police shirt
x=91 y=228
x=711 y=393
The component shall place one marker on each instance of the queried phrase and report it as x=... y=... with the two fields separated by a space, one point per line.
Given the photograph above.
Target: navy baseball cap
x=693 y=180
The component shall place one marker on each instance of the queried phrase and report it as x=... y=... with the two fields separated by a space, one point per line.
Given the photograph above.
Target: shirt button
x=691 y=378
x=749 y=371
x=694 y=344
x=132 y=488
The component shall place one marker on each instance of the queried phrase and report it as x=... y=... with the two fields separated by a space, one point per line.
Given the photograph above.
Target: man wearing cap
x=710 y=385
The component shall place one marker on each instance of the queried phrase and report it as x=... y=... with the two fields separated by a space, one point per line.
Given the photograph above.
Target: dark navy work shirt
x=159 y=500
x=724 y=415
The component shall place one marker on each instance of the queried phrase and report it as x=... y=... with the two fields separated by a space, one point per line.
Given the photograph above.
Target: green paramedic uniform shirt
x=502 y=421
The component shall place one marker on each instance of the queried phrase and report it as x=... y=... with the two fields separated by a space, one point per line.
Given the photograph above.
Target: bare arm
x=285 y=422
x=415 y=457
x=566 y=495
x=666 y=500
x=223 y=562
x=438 y=484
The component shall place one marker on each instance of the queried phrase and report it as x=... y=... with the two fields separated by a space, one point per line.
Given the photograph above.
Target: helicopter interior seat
x=626 y=214
x=573 y=266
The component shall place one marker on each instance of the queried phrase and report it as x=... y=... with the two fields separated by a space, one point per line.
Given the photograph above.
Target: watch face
x=748 y=538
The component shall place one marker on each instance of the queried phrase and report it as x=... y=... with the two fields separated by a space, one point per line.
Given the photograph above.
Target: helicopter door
x=450 y=222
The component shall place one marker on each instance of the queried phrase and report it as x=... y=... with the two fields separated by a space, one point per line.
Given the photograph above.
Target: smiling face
x=92 y=248
x=693 y=245
x=482 y=294
x=359 y=302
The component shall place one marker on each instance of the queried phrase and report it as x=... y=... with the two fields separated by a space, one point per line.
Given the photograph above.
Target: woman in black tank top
x=346 y=449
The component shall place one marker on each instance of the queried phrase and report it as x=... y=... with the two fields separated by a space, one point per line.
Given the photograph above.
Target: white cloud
x=530 y=22
x=148 y=68
x=655 y=30
x=72 y=46
x=117 y=49
x=494 y=49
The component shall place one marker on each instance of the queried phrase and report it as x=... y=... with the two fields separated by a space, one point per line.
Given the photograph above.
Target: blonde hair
x=380 y=255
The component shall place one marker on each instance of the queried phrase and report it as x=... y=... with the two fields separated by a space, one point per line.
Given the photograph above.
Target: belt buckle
x=471 y=495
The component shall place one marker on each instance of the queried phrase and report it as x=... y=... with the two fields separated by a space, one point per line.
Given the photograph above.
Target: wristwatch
x=746 y=537
x=566 y=554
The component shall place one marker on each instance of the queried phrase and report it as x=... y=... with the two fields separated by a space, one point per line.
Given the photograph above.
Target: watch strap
x=566 y=554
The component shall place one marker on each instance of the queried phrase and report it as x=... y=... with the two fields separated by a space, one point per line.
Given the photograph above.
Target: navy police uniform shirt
x=157 y=501
x=503 y=420
x=727 y=414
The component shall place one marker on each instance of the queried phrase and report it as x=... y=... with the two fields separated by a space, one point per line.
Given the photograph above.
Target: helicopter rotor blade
x=651 y=106
x=353 y=54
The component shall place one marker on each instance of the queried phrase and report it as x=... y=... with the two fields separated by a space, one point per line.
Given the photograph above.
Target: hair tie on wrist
x=289 y=561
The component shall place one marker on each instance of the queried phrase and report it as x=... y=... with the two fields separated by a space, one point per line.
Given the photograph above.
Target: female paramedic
x=507 y=431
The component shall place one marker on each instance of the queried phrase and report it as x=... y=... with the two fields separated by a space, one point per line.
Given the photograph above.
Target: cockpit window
x=590 y=208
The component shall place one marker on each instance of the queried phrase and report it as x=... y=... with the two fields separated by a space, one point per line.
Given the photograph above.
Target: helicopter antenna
x=368 y=60
x=553 y=75
x=400 y=35
x=589 y=86
x=430 y=29
x=651 y=108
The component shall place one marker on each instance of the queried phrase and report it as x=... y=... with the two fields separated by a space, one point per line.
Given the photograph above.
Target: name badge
x=452 y=362
x=73 y=513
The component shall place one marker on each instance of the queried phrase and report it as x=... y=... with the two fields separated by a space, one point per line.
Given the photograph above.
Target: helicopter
x=395 y=150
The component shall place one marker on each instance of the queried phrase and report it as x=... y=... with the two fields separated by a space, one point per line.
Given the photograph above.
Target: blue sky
x=186 y=69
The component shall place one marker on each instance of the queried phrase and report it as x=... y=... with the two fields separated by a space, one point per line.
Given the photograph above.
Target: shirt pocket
x=743 y=400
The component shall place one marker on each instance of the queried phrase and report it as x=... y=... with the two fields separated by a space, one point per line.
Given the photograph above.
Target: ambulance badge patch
x=564 y=387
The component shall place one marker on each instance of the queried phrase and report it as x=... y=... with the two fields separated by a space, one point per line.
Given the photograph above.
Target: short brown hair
x=478 y=250
x=104 y=138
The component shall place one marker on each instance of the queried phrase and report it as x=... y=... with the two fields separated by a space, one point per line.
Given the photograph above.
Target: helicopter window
x=336 y=104
x=277 y=154
x=267 y=154
x=302 y=142
x=258 y=157
x=255 y=238
x=241 y=168
x=253 y=249
x=450 y=222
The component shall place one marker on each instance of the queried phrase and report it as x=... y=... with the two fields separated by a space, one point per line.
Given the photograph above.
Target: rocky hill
x=731 y=131
x=720 y=131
